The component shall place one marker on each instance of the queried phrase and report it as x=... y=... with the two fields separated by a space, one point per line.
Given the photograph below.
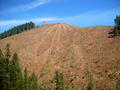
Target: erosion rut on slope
x=61 y=46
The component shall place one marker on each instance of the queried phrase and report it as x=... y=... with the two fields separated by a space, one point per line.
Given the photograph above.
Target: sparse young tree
x=7 y=53
x=59 y=81
x=89 y=77
x=1 y=54
x=91 y=84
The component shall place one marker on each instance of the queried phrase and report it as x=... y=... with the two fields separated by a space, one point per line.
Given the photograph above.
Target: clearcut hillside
x=65 y=47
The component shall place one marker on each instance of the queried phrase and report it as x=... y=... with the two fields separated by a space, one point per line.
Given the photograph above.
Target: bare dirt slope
x=61 y=46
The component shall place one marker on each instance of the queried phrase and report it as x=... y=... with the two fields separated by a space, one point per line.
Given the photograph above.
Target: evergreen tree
x=16 y=74
x=25 y=79
x=4 y=76
x=4 y=72
x=7 y=54
x=1 y=54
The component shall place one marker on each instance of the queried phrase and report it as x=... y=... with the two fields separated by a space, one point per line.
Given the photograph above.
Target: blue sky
x=81 y=13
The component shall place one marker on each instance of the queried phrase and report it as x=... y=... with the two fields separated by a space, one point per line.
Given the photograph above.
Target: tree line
x=18 y=29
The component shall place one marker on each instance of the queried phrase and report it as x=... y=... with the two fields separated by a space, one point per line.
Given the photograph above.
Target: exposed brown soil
x=61 y=46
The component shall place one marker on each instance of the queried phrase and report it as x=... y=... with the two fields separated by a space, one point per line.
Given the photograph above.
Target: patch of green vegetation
x=112 y=68
x=11 y=76
x=117 y=26
x=45 y=68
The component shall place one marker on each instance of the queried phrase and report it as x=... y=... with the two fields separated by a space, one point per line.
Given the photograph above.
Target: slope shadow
x=111 y=33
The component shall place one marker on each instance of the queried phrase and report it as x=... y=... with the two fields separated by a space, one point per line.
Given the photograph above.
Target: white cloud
x=26 y=7
x=16 y=22
x=37 y=20
x=32 y=5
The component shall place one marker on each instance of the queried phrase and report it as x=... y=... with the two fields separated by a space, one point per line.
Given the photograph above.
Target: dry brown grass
x=61 y=46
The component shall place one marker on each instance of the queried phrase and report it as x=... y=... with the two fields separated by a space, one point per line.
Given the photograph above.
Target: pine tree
x=1 y=54
x=7 y=53
x=4 y=72
x=16 y=74
x=25 y=79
